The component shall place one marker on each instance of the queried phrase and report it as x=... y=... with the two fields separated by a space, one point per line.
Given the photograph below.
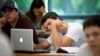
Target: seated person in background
x=62 y=34
x=36 y=12
x=92 y=32
x=14 y=19
x=5 y=48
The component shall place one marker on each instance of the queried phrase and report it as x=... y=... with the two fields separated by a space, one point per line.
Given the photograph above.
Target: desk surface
x=44 y=54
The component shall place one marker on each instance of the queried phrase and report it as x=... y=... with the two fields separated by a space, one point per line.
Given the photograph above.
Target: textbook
x=67 y=49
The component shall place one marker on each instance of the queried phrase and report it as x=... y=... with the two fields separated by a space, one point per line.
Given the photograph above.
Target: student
x=92 y=32
x=35 y=13
x=5 y=48
x=62 y=34
x=14 y=19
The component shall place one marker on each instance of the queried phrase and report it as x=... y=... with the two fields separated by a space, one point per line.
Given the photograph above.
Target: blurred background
x=69 y=10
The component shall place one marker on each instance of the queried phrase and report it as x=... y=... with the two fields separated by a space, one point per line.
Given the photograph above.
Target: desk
x=45 y=54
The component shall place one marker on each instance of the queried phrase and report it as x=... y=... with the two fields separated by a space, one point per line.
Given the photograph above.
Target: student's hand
x=34 y=46
x=56 y=22
x=2 y=22
x=42 y=9
x=60 y=25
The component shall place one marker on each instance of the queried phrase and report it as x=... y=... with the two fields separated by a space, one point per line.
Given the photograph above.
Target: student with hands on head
x=37 y=10
x=61 y=34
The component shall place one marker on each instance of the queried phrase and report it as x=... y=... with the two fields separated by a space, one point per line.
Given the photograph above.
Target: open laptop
x=22 y=41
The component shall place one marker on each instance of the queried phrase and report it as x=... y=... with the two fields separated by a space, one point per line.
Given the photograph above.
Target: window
x=75 y=9
x=24 y=5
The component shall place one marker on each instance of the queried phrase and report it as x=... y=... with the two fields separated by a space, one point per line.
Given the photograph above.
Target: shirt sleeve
x=5 y=46
x=49 y=39
x=84 y=51
x=74 y=31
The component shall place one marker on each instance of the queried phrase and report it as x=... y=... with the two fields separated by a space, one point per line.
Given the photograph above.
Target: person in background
x=92 y=32
x=35 y=13
x=14 y=19
x=61 y=34
x=5 y=47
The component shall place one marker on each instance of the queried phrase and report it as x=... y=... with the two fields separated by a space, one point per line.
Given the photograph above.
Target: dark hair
x=51 y=15
x=92 y=21
x=35 y=4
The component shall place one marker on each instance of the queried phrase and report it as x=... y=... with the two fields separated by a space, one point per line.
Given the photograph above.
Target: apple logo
x=21 y=39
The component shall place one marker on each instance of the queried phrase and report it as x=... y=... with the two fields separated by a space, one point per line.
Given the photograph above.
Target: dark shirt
x=24 y=23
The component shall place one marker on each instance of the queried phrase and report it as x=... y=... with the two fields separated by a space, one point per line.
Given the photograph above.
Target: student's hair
x=51 y=15
x=92 y=21
x=35 y=4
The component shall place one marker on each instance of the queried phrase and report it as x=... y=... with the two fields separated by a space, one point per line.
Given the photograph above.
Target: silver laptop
x=22 y=41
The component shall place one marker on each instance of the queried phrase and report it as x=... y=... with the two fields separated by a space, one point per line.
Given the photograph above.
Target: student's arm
x=57 y=41
x=67 y=39
x=42 y=9
x=43 y=45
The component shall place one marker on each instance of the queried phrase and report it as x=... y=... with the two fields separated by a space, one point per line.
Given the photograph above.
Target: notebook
x=70 y=50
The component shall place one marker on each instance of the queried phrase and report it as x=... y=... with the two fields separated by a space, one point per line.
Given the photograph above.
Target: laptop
x=22 y=41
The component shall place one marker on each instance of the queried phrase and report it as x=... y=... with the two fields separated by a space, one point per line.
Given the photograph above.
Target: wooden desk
x=45 y=54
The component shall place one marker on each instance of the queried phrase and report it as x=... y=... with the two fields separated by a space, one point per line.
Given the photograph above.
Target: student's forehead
x=92 y=28
x=8 y=8
x=43 y=26
x=36 y=9
x=48 y=19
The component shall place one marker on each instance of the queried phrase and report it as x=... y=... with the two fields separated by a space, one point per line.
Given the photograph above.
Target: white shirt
x=5 y=48
x=75 y=32
x=84 y=51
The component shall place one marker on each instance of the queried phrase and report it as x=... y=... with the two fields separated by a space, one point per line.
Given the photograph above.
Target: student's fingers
x=2 y=22
x=42 y=9
x=61 y=26
x=3 y=19
x=34 y=45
